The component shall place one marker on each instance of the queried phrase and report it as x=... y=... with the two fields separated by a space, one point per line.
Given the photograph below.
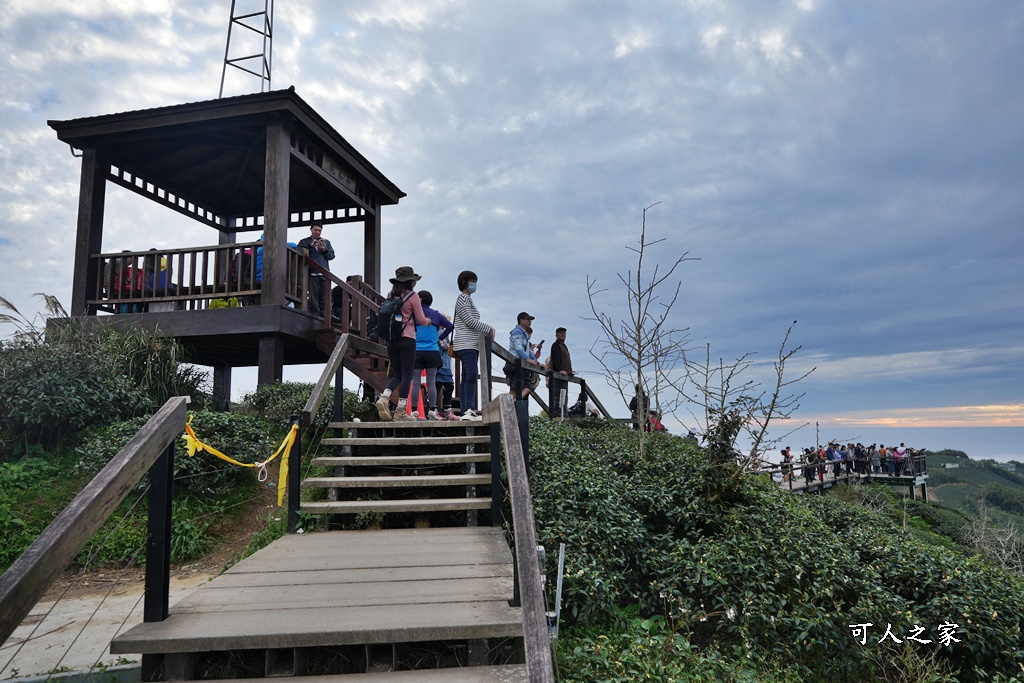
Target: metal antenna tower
x=262 y=25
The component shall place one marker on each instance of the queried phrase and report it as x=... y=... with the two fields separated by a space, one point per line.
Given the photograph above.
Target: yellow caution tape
x=194 y=445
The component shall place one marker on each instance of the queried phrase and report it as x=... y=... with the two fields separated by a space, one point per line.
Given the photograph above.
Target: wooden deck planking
x=343 y=588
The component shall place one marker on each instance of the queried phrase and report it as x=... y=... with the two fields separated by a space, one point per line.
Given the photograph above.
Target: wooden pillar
x=371 y=248
x=222 y=387
x=271 y=367
x=275 y=216
x=91 y=199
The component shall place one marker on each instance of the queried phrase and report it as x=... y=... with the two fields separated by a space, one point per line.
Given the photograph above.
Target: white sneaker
x=471 y=416
x=384 y=408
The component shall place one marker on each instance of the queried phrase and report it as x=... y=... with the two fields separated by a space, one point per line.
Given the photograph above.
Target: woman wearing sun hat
x=402 y=351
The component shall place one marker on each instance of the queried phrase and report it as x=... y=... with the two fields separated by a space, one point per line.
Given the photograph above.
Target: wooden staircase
x=431 y=470
x=366 y=360
x=426 y=598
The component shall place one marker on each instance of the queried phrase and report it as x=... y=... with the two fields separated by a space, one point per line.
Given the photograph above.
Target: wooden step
x=395 y=460
x=250 y=605
x=408 y=441
x=391 y=482
x=350 y=507
x=509 y=673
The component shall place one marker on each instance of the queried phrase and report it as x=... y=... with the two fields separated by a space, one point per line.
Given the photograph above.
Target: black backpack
x=389 y=319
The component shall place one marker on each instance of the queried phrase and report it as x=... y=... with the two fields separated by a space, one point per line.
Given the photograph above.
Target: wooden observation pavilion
x=258 y=163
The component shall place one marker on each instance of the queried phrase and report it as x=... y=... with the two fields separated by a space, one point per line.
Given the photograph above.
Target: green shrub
x=277 y=402
x=637 y=648
x=71 y=376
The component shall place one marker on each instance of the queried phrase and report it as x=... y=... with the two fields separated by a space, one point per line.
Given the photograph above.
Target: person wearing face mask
x=468 y=333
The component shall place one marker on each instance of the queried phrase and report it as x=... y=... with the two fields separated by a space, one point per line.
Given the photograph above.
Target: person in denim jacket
x=519 y=346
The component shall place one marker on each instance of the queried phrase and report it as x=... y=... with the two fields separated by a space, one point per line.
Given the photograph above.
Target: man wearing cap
x=560 y=362
x=519 y=346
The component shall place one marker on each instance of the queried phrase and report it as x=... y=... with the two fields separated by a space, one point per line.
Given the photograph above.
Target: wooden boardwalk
x=800 y=484
x=347 y=588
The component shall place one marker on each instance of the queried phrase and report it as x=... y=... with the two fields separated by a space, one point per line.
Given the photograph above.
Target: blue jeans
x=470 y=359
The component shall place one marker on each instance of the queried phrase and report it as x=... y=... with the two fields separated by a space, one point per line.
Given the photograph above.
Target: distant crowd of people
x=833 y=460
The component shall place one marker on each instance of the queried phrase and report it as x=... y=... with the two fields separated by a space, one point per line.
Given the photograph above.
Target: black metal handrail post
x=158 y=538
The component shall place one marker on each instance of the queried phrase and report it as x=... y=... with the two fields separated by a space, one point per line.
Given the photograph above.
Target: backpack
x=389 y=319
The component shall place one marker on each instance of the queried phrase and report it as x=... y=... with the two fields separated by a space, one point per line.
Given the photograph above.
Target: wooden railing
x=187 y=279
x=529 y=573
x=150 y=450
x=504 y=355
x=909 y=467
x=347 y=303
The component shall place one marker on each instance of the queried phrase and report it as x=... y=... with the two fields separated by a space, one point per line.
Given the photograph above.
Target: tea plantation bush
x=277 y=402
x=55 y=384
x=775 y=576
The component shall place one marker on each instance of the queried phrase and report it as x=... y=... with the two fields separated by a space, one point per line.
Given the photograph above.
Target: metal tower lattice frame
x=262 y=24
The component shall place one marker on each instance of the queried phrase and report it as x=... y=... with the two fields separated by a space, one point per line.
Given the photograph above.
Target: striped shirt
x=468 y=328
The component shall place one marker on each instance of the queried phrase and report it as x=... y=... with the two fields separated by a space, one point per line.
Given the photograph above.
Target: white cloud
x=863 y=181
x=635 y=40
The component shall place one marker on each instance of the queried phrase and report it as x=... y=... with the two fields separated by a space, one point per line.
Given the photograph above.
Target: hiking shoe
x=471 y=416
x=384 y=408
x=402 y=416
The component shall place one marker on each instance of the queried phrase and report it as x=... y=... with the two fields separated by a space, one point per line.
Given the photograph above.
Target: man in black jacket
x=560 y=362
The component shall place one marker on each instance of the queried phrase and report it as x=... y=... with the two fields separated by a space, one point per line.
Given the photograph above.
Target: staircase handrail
x=506 y=355
x=35 y=570
x=371 y=302
x=539 y=666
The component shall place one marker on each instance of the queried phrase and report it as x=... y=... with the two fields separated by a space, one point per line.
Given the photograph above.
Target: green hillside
x=973 y=482
x=662 y=584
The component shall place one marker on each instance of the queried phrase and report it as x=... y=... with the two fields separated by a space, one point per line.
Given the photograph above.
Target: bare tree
x=1003 y=544
x=644 y=349
x=733 y=403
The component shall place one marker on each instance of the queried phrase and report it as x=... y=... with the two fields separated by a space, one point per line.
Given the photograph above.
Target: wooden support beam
x=271 y=360
x=275 y=215
x=89 y=240
x=222 y=386
x=371 y=250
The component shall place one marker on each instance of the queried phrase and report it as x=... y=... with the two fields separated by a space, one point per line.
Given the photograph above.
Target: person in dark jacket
x=561 y=362
x=320 y=251
x=644 y=401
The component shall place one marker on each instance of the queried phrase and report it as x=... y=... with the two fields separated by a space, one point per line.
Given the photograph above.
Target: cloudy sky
x=855 y=166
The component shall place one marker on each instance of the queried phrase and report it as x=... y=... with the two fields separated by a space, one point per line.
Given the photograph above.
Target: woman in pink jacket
x=402 y=351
